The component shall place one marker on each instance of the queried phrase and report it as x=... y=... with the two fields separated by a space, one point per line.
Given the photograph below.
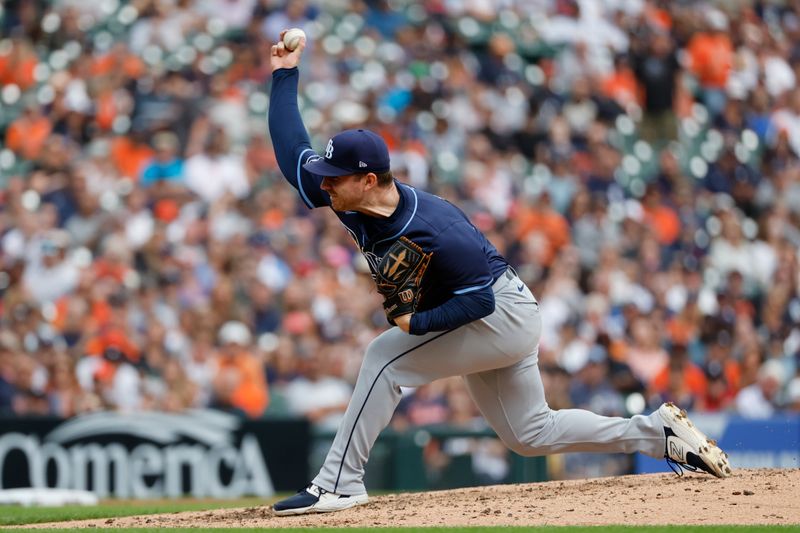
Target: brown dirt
x=762 y=496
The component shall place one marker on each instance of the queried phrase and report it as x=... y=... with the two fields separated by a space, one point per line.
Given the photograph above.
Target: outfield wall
x=149 y=455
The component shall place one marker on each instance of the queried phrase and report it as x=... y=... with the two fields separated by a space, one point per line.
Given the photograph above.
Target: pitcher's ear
x=371 y=179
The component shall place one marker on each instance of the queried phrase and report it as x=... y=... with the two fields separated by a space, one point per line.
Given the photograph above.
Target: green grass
x=16 y=515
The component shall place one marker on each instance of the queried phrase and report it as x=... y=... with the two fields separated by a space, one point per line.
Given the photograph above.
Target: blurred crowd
x=635 y=160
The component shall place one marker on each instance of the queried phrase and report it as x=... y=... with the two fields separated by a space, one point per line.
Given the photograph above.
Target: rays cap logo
x=352 y=152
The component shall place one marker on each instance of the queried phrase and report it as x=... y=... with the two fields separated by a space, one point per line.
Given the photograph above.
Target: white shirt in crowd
x=48 y=284
x=304 y=396
x=751 y=403
x=212 y=177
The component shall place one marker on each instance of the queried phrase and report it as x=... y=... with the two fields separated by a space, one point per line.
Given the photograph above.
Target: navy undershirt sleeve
x=459 y=260
x=457 y=311
x=290 y=139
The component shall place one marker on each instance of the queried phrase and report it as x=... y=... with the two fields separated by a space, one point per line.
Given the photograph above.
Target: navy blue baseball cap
x=352 y=152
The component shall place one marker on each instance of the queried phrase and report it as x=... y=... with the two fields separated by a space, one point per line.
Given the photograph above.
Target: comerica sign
x=200 y=453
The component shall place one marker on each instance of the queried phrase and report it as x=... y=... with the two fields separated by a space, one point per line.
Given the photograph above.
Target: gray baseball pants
x=497 y=357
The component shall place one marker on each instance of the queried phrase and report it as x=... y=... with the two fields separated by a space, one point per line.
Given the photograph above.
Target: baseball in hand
x=291 y=39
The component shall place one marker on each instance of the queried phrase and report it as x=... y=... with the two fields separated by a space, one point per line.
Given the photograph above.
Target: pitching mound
x=748 y=497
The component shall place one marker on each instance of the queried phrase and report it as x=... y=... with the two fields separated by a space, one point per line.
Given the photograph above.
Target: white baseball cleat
x=688 y=447
x=313 y=499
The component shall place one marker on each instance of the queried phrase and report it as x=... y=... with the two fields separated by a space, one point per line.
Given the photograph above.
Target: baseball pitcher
x=457 y=307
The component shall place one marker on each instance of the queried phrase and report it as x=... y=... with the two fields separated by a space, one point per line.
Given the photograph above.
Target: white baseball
x=291 y=39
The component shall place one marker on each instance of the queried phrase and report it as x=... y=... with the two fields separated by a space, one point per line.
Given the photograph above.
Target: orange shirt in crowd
x=550 y=224
x=26 y=135
x=622 y=87
x=273 y=219
x=17 y=67
x=694 y=379
x=100 y=313
x=657 y=17
x=128 y=63
x=711 y=59
x=251 y=394
x=104 y=268
x=733 y=374
x=106 y=109
x=666 y=223
x=112 y=338
x=682 y=329
x=130 y=157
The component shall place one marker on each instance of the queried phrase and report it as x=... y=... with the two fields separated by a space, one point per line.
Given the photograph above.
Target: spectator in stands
x=166 y=167
x=318 y=394
x=680 y=381
x=545 y=227
x=27 y=134
x=762 y=398
x=239 y=382
x=719 y=395
x=622 y=86
x=282 y=363
x=18 y=64
x=130 y=154
x=88 y=222
x=657 y=70
x=214 y=171
x=710 y=56
x=63 y=389
x=645 y=355
x=51 y=273
x=786 y=122
x=112 y=376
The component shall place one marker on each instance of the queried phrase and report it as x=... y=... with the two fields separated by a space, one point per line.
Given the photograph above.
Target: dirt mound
x=748 y=497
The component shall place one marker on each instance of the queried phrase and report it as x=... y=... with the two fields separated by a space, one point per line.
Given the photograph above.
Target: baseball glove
x=399 y=277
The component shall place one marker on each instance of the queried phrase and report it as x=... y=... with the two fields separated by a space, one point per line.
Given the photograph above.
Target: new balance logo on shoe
x=676 y=452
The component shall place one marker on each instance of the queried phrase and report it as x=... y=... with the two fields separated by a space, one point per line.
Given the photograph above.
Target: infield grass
x=16 y=515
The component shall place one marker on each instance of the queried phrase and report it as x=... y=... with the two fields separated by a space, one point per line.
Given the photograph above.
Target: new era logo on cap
x=352 y=152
